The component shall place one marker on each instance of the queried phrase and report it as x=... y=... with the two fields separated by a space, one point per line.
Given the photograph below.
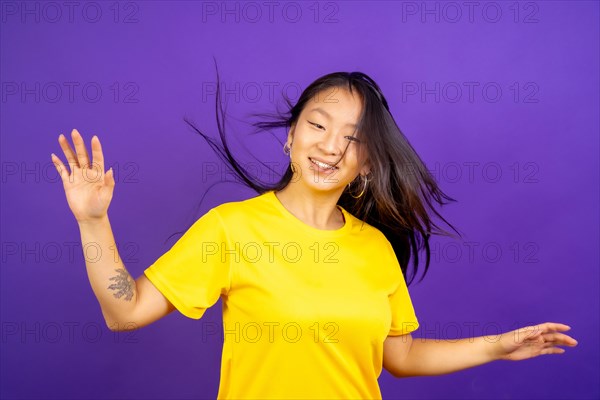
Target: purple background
x=522 y=163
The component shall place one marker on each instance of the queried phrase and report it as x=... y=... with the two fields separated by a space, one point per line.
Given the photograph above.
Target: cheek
x=361 y=152
x=302 y=140
x=362 y=157
x=353 y=158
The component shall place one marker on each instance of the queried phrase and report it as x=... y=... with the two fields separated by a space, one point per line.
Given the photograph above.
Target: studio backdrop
x=499 y=98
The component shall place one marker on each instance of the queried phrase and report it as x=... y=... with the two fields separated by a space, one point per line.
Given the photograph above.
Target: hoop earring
x=287 y=150
x=365 y=180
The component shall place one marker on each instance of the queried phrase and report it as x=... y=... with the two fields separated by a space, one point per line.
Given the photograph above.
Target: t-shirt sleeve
x=404 y=319
x=195 y=272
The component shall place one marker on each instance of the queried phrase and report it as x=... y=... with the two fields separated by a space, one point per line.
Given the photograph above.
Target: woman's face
x=323 y=130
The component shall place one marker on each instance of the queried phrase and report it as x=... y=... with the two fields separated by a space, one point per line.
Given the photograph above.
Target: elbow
x=397 y=370
x=119 y=324
x=116 y=326
x=398 y=355
x=403 y=374
x=113 y=326
x=399 y=373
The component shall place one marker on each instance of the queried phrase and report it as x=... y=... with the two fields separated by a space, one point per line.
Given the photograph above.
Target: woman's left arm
x=405 y=356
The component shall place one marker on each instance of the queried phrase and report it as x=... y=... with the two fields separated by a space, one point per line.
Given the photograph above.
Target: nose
x=330 y=144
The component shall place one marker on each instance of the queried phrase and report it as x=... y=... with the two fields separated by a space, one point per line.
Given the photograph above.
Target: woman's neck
x=318 y=210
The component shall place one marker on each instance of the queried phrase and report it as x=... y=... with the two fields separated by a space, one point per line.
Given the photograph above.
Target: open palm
x=88 y=188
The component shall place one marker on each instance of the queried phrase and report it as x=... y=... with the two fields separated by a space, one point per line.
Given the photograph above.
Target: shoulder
x=367 y=231
x=223 y=219
x=235 y=211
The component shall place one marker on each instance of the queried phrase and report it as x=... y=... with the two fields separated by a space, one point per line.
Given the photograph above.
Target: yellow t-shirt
x=305 y=310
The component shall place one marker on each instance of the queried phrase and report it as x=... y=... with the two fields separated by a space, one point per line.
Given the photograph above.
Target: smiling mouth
x=322 y=165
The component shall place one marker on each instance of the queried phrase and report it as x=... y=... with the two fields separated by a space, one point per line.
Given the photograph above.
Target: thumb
x=109 y=177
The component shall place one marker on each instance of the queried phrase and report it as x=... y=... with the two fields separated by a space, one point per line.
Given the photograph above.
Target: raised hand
x=88 y=188
x=532 y=341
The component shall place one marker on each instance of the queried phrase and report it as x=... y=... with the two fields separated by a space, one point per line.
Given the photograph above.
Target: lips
x=322 y=164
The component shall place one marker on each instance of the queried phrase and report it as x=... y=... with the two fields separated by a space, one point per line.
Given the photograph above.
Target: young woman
x=312 y=270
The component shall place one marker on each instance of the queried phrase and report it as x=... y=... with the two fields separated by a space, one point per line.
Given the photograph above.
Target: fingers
x=556 y=339
x=547 y=327
x=559 y=339
x=79 y=157
x=82 y=154
x=109 y=178
x=68 y=151
x=97 y=155
x=60 y=167
x=552 y=350
x=546 y=332
x=554 y=326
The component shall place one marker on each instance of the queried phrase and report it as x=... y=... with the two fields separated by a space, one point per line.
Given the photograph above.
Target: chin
x=325 y=184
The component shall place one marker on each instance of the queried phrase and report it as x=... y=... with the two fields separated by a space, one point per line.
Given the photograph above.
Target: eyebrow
x=326 y=114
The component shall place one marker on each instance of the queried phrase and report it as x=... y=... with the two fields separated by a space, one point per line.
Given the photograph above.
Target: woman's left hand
x=532 y=341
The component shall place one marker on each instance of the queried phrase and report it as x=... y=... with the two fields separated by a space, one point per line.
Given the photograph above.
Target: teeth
x=322 y=165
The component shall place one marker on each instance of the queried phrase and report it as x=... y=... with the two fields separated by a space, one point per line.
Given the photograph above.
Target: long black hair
x=401 y=193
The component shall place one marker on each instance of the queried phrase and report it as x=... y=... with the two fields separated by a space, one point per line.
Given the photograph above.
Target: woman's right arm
x=125 y=303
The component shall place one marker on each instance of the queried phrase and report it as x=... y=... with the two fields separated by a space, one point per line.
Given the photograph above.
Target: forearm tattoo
x=123 y=285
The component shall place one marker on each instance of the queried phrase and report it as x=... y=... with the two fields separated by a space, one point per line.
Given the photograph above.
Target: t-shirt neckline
x=307 y=228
